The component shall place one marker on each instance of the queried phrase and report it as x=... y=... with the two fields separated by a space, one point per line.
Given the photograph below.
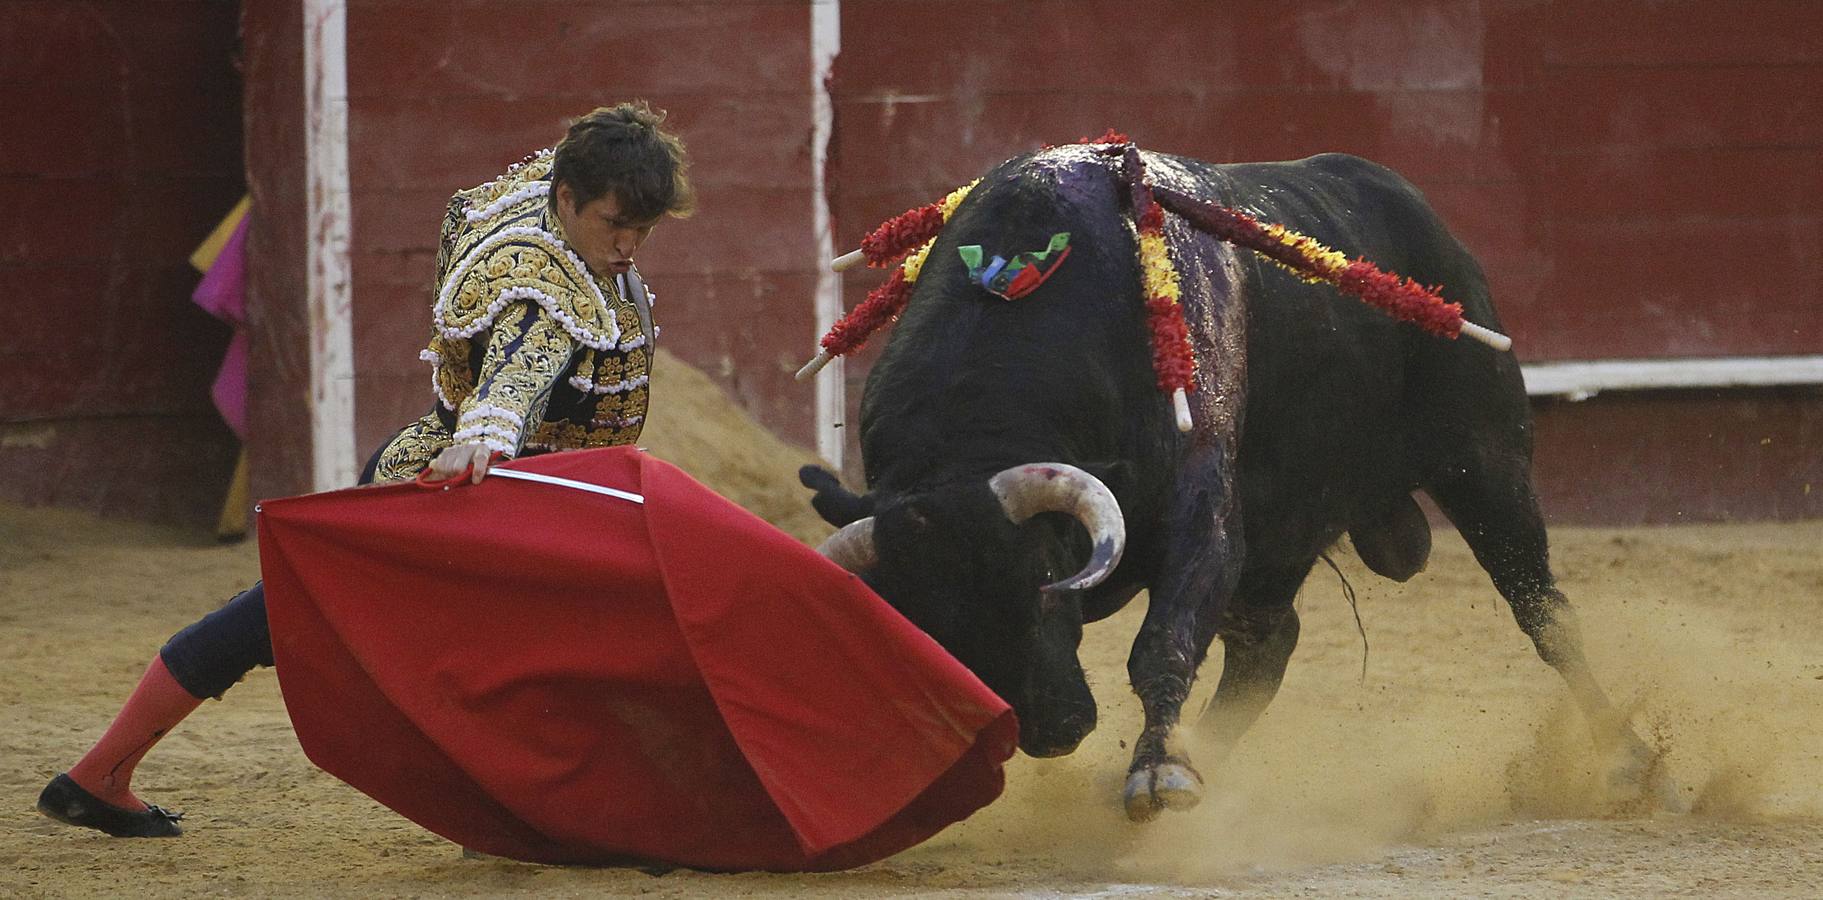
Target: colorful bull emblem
x=1020 y=275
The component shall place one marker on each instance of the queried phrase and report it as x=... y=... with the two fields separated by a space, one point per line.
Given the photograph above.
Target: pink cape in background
x=222 y=292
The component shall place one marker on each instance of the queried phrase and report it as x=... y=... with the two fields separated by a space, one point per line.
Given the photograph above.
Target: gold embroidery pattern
x=524 y=262
x=446 y=235
x=517 y=177
x=526 y=351
x=536 y=167
x=411 y=450
x=507 y=273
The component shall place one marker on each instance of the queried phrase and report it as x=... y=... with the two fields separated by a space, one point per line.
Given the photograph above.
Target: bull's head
x=975 y=565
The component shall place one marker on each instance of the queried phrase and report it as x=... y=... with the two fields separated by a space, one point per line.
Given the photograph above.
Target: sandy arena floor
x=1454 y=769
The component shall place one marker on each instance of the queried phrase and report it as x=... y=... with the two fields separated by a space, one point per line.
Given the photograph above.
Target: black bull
x=1314 y=416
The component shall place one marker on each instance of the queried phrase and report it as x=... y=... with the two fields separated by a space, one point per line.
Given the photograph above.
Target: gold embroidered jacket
x=530 y=351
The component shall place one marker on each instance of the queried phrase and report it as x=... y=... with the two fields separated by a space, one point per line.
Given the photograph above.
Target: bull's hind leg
x=1256 y=646
x=1496 y=510
x=1201 y=566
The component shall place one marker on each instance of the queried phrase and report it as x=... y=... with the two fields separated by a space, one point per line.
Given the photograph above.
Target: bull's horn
x=852 y=547
x=1026 y=491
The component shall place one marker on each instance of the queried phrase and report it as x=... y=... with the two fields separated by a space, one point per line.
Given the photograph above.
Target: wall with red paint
x=1640 y=183
x=121 y=152
x=1681 y=456
x=1644 y=182
x=1580 y=158
x=446 y=95
x=278 y=383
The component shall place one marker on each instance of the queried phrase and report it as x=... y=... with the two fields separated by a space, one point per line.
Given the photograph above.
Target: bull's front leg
x=1200 y=569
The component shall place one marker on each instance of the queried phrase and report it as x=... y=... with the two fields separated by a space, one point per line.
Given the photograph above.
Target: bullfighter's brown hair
x=623 y=150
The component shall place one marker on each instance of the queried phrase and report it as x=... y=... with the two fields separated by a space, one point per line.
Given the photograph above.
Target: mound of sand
x=699 y=429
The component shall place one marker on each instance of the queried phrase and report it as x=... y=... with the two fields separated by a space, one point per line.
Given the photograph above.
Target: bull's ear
x=836 y=504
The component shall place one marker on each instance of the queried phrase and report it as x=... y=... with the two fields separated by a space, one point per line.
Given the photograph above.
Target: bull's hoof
x=1155 y=788
x=1667 y=794
x=1638 y=780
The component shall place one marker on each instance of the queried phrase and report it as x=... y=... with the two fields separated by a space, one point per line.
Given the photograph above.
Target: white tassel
x=815 y=365
x=847 y=261
x=1487 y=336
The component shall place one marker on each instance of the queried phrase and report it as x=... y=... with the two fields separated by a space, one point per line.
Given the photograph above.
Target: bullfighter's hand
x=455 y=458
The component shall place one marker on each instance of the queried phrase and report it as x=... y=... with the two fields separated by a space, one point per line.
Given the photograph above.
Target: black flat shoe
x=65 y=800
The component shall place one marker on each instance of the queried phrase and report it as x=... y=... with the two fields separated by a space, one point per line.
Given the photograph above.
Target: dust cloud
x=1706 y=635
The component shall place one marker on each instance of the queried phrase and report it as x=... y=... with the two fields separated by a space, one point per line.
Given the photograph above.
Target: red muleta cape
x=552 y=675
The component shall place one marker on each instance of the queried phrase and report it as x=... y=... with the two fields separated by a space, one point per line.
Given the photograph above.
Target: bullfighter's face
x=599 y=232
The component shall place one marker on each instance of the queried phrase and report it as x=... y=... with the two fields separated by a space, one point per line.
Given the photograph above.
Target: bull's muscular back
x=1348 y=409
x=1344 y=407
